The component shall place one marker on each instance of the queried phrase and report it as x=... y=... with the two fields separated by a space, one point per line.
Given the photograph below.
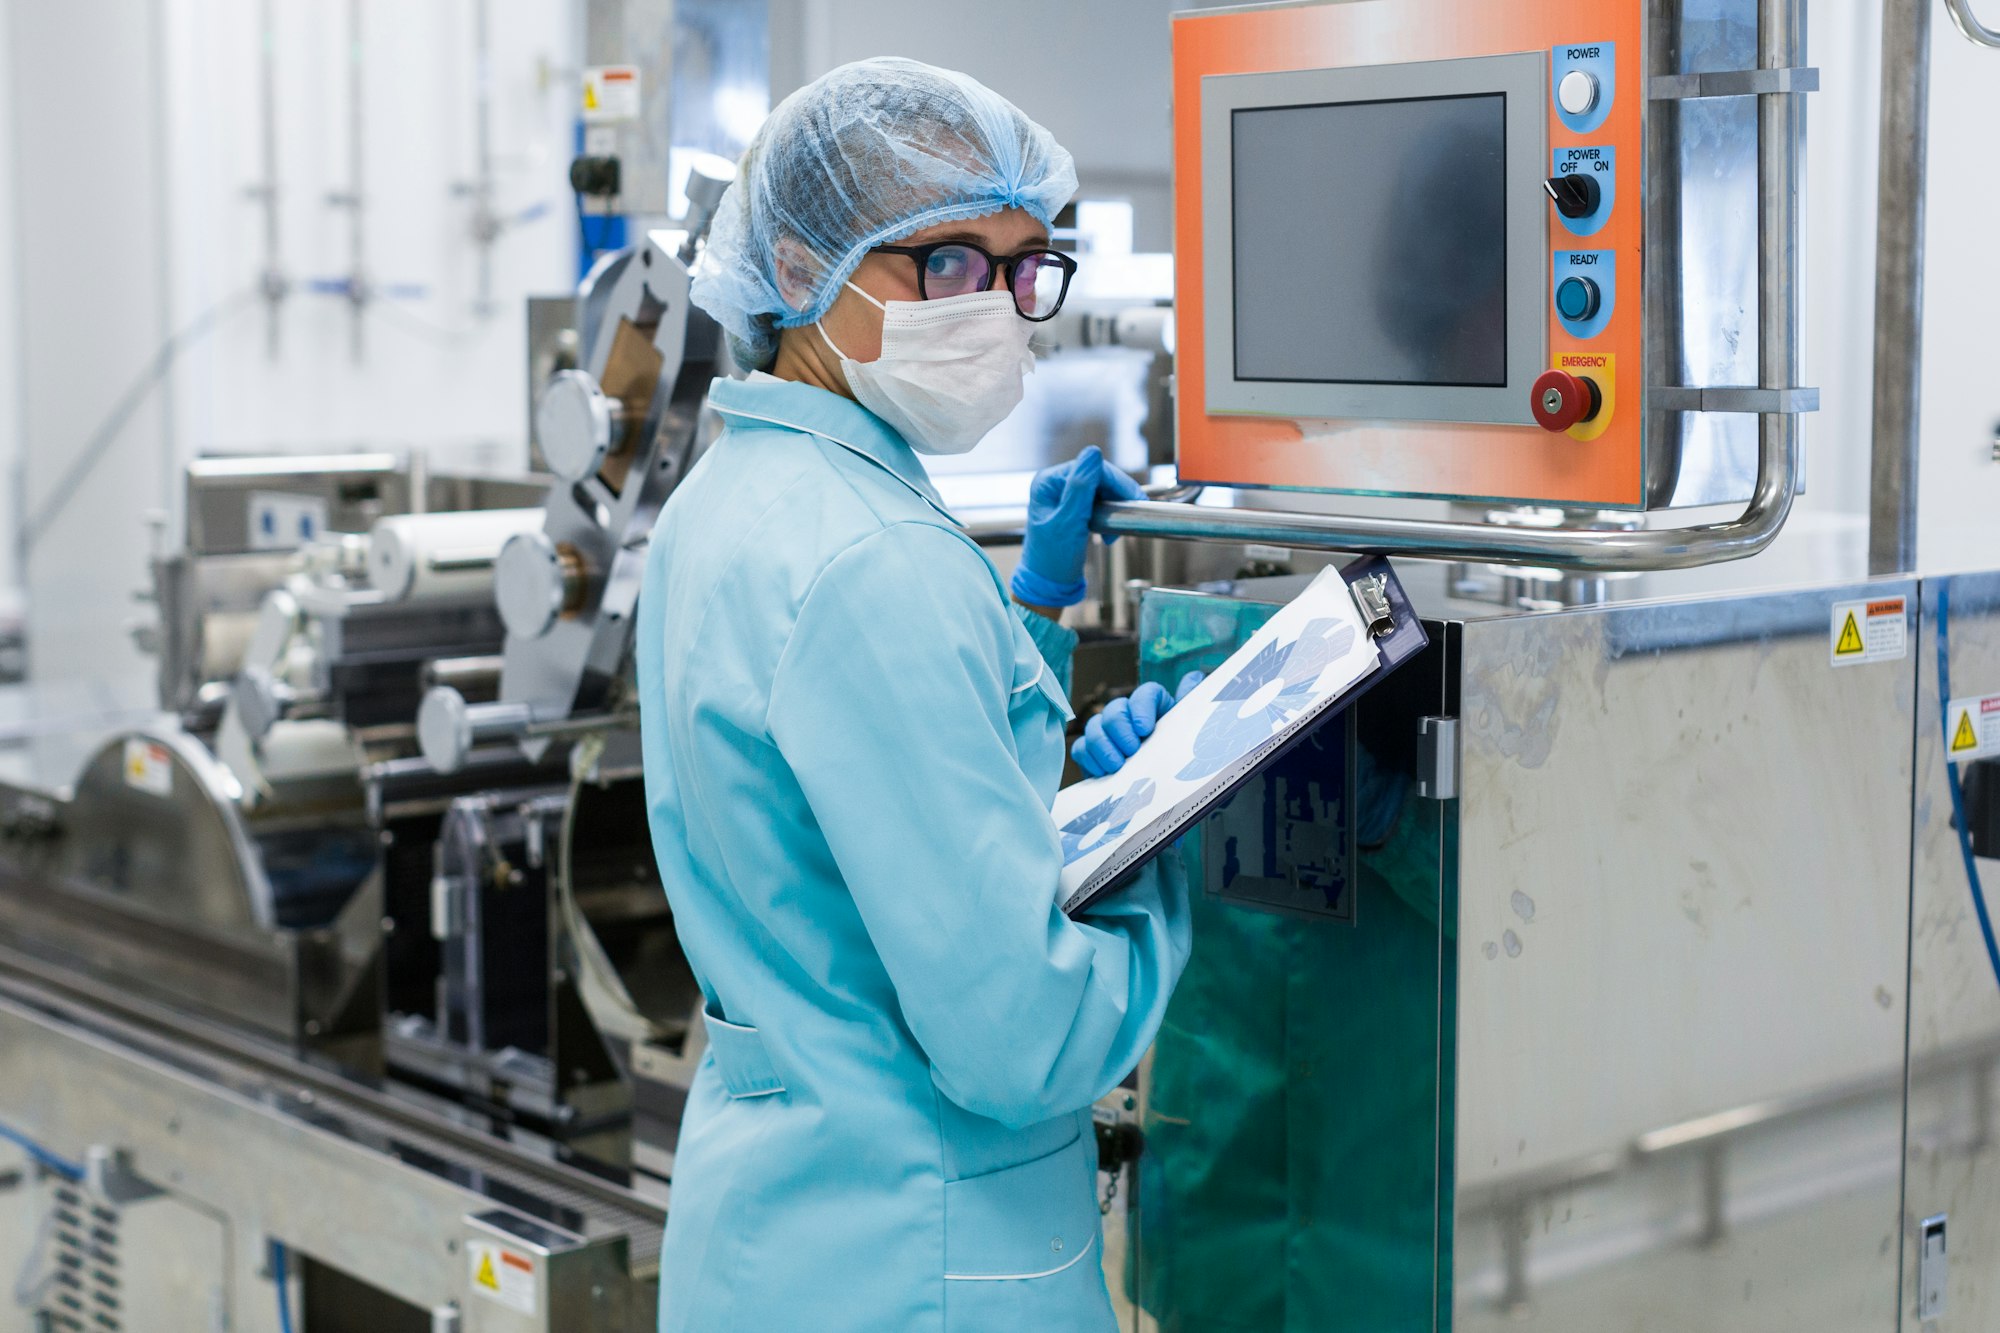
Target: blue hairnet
x=865 y=154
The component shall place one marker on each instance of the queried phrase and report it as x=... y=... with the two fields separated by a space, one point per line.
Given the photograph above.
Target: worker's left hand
x=1059 y=503
x=1114 y=735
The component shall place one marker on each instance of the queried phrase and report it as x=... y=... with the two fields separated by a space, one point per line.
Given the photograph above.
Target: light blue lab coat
x=851 y=742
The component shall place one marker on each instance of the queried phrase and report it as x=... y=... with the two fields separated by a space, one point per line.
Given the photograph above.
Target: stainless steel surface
x=1954 y=1086
x=639 y=33
x=1663 y=306
x=1968 y=23
x=1903 y=150
x=448 y=728
x=167 y=837
x=1666 y=956
x=1654 y=548
x=708 y=177
x=1728 y=398
x=1437 y=758
x=1712 y=163
x=275 y=1149
x=1933 y=1268
x=1732 y=83
x=529 y=584
x=576 y=425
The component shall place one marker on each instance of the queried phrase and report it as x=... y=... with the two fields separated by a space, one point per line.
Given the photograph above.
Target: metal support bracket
x=1732 y=398
x=1437 y=758
x=1734 y=83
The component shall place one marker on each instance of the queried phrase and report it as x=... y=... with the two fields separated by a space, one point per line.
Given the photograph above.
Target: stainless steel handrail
x=994 y=525
x=1779 y=46
x=1968 y=23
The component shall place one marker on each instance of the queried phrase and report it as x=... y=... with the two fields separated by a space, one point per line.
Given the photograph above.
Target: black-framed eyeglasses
x=1038 y=279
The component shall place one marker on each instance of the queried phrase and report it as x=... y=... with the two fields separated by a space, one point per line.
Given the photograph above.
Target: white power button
x=1577 y=92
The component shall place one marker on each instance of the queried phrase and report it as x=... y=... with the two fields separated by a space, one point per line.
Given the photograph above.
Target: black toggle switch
x=1575 y=195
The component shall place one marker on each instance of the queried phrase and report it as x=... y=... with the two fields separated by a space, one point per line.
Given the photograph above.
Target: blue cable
x=1951 y=776
x=279 y=1280
x=62 y=1166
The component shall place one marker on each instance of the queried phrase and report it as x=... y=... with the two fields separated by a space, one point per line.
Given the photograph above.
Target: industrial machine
x=1610 y=959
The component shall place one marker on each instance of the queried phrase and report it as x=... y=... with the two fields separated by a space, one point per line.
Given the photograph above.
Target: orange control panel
x=1271 y=400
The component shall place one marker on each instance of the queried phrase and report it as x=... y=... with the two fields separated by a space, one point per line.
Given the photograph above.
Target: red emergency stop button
x=1562 y=400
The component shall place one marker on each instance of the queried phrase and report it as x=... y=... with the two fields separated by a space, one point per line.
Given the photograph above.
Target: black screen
x=1370 y=242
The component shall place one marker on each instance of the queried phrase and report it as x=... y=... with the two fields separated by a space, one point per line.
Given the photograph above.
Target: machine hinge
x=1437 y=758
x=1931 y=1269
x=1733 y=83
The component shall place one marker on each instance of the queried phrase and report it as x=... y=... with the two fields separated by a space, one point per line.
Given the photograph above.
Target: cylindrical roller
x=577 y=426
x=444 y=557
x=467 y=675
x=535 y=583
x=448 y=727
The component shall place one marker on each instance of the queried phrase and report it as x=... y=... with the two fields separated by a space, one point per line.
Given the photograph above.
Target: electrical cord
x=598 y=977
x=28 y=1292
x=100 y=440
x=280 y=1280
x=53 y=1161
x=1957 y=788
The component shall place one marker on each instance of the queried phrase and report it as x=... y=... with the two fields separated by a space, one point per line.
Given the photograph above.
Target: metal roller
x=443 y=557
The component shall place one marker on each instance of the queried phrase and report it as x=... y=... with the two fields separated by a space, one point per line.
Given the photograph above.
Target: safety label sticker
x=499 y=1274
x=1972 y=728
x=1873 y=631
x=149 y=766
x=610 y=93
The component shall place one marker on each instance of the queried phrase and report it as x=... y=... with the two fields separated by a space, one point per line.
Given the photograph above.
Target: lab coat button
x=1056 y=1244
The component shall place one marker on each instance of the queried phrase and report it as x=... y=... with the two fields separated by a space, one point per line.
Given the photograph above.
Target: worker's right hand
x=1059 y=503
x=1116 y=733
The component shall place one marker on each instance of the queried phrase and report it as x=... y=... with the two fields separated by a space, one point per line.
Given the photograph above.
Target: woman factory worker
x=852 y=738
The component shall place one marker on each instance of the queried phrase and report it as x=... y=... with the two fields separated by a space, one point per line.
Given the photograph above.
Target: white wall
x=137 y=139
x=1958 y=509
x=431 y=369
x=90 y=286
x=1096 y=75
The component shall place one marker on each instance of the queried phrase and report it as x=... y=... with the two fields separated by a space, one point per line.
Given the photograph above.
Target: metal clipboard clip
x=1371 y=595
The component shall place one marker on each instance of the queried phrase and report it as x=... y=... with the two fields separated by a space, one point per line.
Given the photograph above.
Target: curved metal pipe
x=1658 y=548
x=1001 y=526
x=1968 y=23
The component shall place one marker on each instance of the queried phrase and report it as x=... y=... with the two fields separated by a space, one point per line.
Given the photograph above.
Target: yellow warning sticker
x=1876 y=630
x=610 y=94
x=1972 y=728
x=504 y=1275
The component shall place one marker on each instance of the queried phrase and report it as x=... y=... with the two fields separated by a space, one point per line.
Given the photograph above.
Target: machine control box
x=1394 y=223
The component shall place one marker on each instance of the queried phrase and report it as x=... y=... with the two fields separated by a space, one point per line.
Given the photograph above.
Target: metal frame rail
x=380 y=1188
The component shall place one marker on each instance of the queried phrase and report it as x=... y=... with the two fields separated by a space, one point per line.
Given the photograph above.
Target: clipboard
x=1396 y=634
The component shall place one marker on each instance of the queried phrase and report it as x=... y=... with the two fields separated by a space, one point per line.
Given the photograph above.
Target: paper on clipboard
x=1312 y=649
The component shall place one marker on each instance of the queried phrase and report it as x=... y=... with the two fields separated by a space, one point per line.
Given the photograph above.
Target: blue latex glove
x=1114 y=735
x=1059 y=504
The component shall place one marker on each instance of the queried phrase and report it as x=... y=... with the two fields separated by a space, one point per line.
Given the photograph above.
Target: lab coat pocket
x=1028 y=1221
x=741 y=1058
x=1035 y=678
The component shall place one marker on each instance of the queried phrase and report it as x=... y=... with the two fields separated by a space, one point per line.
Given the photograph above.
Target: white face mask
x=950 y=369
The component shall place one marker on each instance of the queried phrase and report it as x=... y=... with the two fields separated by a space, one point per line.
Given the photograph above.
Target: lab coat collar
x=816 y=411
